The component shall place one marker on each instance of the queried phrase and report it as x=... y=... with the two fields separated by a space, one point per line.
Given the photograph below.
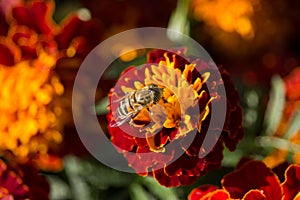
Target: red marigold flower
x=11 y=186
x=250 y=180
x=33 y=29
x=22 y=182
x=252 y=175
x=186 y=85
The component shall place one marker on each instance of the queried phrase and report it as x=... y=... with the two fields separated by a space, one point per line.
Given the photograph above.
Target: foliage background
x=273 y=50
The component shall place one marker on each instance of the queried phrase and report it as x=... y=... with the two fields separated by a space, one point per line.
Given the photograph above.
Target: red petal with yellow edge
x=173 y=181
x=254 y=195
x=144 y=160
x=202 y=191
x=291 y=185
x=252 y=175
x=297 y=197
x=280 y=169
x=219 y=195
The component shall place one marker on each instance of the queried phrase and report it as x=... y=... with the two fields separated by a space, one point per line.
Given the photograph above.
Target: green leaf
x=101 y=106
x=159 y=191
x=137 y=192
x=64 y=8
x=97 y=174
x=59 y=189
x=276 y=104
x=294 y=125
x=79 y=187
x=179 y=20
x=278 y=143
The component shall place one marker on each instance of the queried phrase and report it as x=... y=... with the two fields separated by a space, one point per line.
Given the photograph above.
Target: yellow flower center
x=173 y=110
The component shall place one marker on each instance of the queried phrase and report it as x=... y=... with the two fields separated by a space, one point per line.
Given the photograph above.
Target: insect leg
x=135 y=114
x=150 y=112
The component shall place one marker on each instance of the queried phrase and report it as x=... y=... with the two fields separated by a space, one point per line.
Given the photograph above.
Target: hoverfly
x=133 y=102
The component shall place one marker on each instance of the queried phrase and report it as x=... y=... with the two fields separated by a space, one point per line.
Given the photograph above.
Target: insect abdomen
x=125 y=107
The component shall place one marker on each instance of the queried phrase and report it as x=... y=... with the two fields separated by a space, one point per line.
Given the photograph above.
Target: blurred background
x=256 y=41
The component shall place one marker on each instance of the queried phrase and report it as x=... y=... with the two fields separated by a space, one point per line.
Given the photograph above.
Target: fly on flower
x=174 y=132
x=134 y=102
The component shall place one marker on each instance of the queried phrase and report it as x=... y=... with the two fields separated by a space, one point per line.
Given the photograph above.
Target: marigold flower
x=229 y=16
x=33 y=103
x=174 y=119
x=30 y=117
x=252 y=180
x=22 y=182
x=11 y=185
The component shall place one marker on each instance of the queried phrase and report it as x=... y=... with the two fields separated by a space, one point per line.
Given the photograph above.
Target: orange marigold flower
x=173 y=120
x=250 y=180
x=22 y=182
x=32 y=106
x=230 y=16
x=30 y=116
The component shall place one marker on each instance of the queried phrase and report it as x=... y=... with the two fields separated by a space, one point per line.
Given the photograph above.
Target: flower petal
x=37 y=15
x=10 y=53
x=202 y=191
x=291 y=185
x=252 y=175
x=254 y=195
